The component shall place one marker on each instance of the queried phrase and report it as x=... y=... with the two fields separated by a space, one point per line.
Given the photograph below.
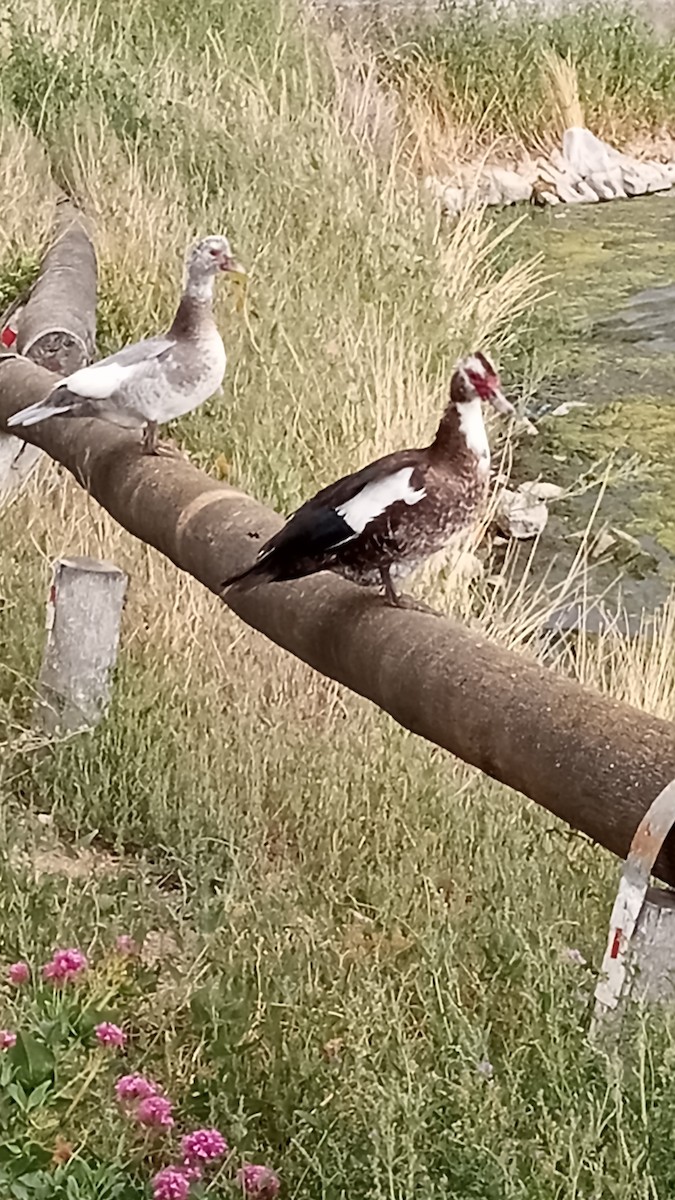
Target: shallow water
x=606 y=337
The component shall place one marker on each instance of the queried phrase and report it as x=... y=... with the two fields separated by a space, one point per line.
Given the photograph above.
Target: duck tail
x=52 y=406
x=245 y=581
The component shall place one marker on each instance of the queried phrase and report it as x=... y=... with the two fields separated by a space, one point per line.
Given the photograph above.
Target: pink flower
x=7 y=1039
x=125 y=944
x=64 y=966
x=134 y=1087
x=261 y=1182
x=18 y=973
x=110 y=1035
x=202 y=1145
x=171 y=1183
x=155 y=1112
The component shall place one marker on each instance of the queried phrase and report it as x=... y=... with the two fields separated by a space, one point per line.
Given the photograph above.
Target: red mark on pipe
x=616 y=944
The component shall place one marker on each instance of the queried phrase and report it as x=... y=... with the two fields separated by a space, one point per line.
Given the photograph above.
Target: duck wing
x=338 y=514
x=100 y=380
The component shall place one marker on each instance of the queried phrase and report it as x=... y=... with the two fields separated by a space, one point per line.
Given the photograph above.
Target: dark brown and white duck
x=160 y=378
x=383 y=521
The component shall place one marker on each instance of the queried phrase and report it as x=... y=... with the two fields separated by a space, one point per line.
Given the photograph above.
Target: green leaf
x=17 y=1094
x=10 y=1150
x=38 y=1095
x=33 y=1061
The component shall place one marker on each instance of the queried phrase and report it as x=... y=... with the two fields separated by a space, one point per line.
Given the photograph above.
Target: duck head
x=206 y=259
x=212 y=254
x=476 y=378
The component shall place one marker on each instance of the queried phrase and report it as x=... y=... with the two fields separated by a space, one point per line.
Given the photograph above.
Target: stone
x=585 y=170
x=603 y=543
x=539 y=489
x=519 y=516
x=566 y=407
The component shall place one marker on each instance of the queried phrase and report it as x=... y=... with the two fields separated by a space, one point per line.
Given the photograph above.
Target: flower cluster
x=65 y=966
x=110 y=1035
x=171 y=1183
x=141 y=1100
x=203 y=1145
x=18 y=973
x=198 y=1149
x=134 y=1087
x=155 y=1112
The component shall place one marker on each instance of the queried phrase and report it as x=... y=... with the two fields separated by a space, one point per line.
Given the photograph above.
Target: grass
x=350 y=922
x=477 y=78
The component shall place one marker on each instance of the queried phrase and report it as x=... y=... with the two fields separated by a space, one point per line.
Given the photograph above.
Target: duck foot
x=151 y=444
x=395 y=600
x=170 y=450
x=412 y=605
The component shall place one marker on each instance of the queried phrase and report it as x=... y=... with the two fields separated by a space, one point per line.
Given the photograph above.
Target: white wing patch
x=377 y=496
x=472 y=427
x=99 y=381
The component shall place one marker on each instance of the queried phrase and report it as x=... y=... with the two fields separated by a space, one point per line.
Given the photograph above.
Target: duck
x=380 y=523
x=155 y=380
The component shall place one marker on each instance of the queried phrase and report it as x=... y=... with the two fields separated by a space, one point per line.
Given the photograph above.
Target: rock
x=512 y=186
x=586 y=171
x=596 y=618
x=603 y=543
x=538 y=489
x=519 y=516
x=563 y=409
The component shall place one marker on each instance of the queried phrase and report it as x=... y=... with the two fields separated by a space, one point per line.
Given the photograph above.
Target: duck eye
x=214 y=253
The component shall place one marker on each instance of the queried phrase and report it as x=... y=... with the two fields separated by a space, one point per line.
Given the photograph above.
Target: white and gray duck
x=380 y=523
x=160 y=378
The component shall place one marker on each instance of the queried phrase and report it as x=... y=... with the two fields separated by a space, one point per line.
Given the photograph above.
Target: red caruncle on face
x=484 y=385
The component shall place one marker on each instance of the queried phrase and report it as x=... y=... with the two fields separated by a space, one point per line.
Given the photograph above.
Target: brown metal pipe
x=592 y=761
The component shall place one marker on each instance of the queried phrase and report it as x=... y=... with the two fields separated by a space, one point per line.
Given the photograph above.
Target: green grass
x=480 y=69
x=353 y=922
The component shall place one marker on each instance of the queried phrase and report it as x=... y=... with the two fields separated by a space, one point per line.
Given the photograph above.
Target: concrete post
x=639 y=962
x=84 y=610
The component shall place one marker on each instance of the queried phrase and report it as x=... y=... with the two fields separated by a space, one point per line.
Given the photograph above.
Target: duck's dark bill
x=500 y=403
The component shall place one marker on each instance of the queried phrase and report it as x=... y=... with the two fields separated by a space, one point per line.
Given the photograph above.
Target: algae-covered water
x=606 y=337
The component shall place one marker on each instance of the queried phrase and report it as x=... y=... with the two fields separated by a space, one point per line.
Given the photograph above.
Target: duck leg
x=150 y=442
x=396 y=601
x=152 y=445
x=390 y=593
